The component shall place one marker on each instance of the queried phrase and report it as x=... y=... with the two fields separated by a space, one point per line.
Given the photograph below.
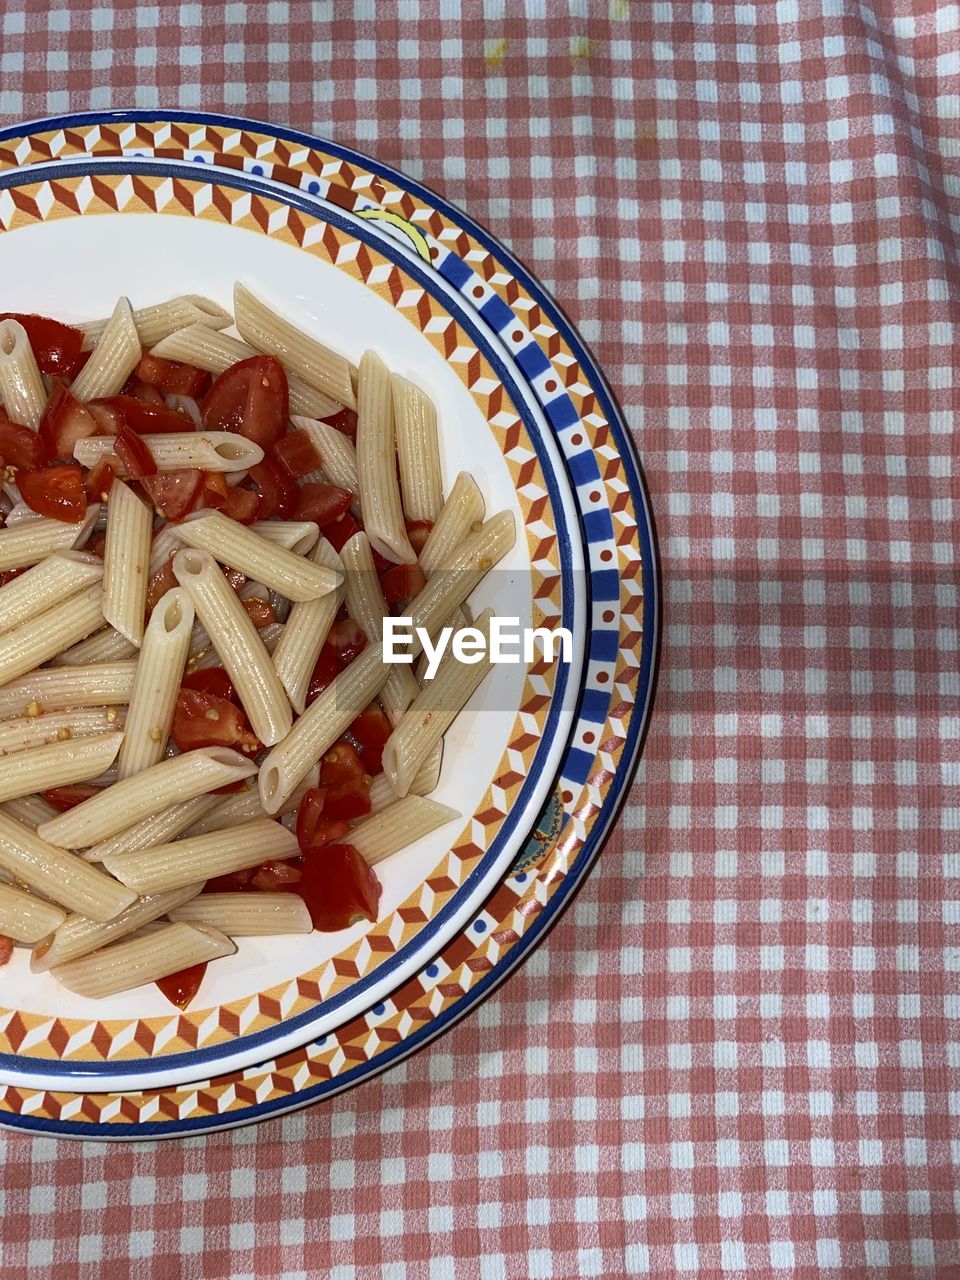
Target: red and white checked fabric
x=737 y=1055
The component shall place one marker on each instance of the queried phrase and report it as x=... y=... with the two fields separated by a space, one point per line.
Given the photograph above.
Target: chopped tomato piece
x=56 y=346
x=141 y=391
x=345 y=421
x=279 y=492
x=401 y=581
x=8 y=575
x=275 y=876
x=145 y=419
x=206 y=720
x=348 y=640
x=297 y=452
x=65 y=421
x=210 y=680
x=68 y=797
x=174 y=493
x=324 y=673
x=339 y=888
x=258 y=611
x=242 y=505
x=6 y=949
x=100 y=478
x=371 y=729
x=232 y=882
x=19 y=446
x=349 y=800
x=323 y=503
x=339 y=532
x=161 y=582
x=215 y=491
x=314 y=828
x=171 y=377
x=97 y=545
x=134 y=453
x=56 y=492
x=418 y=531
x=250 y=397
x=181 y=987
x=341 y=765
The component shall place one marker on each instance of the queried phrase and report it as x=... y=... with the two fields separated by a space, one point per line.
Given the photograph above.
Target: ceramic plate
x=76 y=237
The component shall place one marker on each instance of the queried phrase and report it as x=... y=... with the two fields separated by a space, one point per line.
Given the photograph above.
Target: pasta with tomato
x=201 y=535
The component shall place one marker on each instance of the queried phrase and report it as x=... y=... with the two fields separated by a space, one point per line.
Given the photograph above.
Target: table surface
x=735 y=1055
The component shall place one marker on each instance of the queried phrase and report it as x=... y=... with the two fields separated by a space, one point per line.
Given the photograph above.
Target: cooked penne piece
x=235 y=639
x=143 y=959
x=21 y=386
x=106 y=646
x=269 y=635
x=444 y=592
x=126 y=558
x=30 y=810
x=428 y=718
x=58 y=764
x=181 y=862
x=77 y=936
x=154 y=323
x=376 y=463
x=382 y=794
x=319 y=367
x=337 y=451
x=298 y=536
x=48 y=583
x=180 y=778
x=28 y=645
x=165 y=545
x=421 y=481
x=266 y=562
x=59 y=875
x=33 y=540
x=58 y=726
x=307 y=627
x=204 y=349
x=247 y=915
x=209 y=450
x=366 y=605
x=107 y=684
x=114 y=358
x=319 y=727
x=163 y=656
x=398 y=826
x=462 y=511
x=229 y=811
x=27 y=919
x=158 y=828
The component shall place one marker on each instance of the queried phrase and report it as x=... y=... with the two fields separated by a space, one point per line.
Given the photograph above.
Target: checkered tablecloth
x=737 y=1054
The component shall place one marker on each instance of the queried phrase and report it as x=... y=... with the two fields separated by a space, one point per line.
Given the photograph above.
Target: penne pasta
x=27 y=919
x=106 y=685
x=235 y=639
x=21 y=386
x=169 y=866
x=319 y=727
x=200 y=346
x=397 y=826
x=383 y=794
x=77 y=936
x=30 y=643
x=171 y=781
x=58 y=764
x=59 y=875
x=114 y=358
x=176 y=450
x=55 y=579
x=298 y=536
x=366 y=605
x=143 y=959
x=106 y=646
x=165 y=545
x=307 y=627
x=31 y=541
x=337 y=452
x=418 y=449
x=462 y=511
x=430 y=715
x=163 y=656
x=30 y=810
x=58 y=726
x=376 y=463
x=266 y=562
x=229 y=811
x=247 y=915
x=126 y=559
x=318 y=366
x=154 y=323
x=157 y=828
